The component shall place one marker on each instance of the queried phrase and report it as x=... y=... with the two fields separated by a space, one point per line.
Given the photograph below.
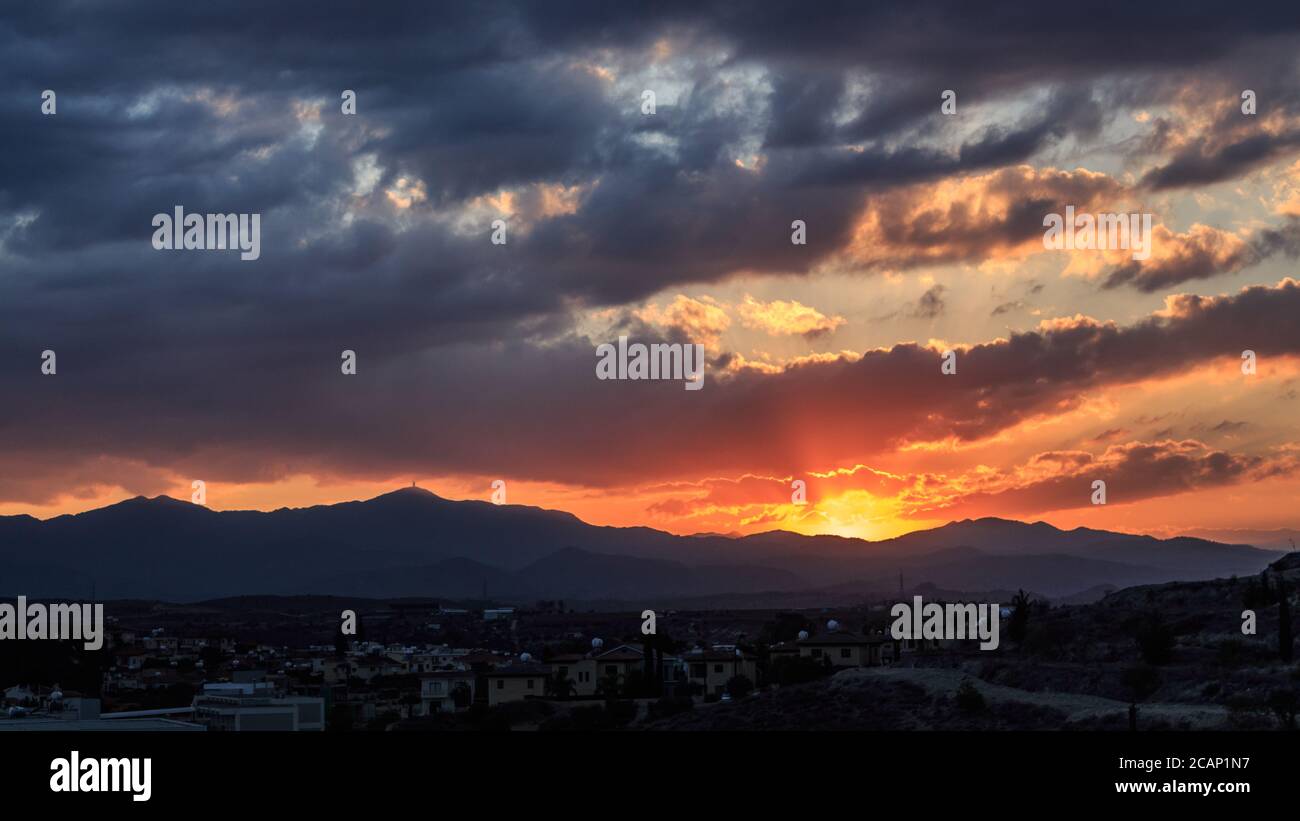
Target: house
x=516 y=682
x=710 y=670
x=786 y=650
x=915 y=645
x=371 y=667
x=440 y=691
x=615 y=664
x=672 y=677
x=577 y=668
x=437 y=658
x=845 y=649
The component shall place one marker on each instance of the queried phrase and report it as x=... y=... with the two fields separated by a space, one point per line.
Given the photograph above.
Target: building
x=710 y=670
x=845 y=649
x=785 y=650
x=516 y=682
x=372 y=667
x=83 y=715
x=243 y=708
x=441 y=690
x=38 y=723
x=615 y=664
x=577 y=668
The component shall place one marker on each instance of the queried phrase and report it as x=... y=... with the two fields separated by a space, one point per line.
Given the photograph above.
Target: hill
x=413 y=543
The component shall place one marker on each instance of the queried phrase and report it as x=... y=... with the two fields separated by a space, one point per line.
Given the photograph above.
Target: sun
x=856 y=514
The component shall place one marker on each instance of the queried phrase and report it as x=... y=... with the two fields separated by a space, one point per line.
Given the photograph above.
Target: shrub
x=969 y=698
x=1155 y=640
x=665 y=707
x=798 y=670
x=739 y=686
x=1284 y=704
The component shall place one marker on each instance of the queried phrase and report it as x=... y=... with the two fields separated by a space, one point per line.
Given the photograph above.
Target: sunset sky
x=476 y=361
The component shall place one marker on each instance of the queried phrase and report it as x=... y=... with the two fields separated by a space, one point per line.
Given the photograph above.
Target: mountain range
x=413 y=543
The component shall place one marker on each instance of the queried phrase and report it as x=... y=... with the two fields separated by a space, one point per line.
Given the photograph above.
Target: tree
x=1284 y=642
x=739 y=686
x=1018 y=625
x=410 y=700
x=796 y=670
x=340 y=718
x=635 y=684
x=461 y=696
x=1155 y=640
x=609 y=685
x=969 y=698
x=785 y=627
x=1141 y=680
x=1283 y=703
x=211 y=656
x=561 y=686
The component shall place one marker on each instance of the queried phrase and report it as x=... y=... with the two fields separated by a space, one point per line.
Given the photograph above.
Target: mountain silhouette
x=412 y=542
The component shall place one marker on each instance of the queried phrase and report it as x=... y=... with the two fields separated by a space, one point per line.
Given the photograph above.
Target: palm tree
x=1016 y=628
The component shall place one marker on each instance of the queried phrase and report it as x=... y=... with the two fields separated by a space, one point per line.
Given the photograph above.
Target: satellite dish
x=803 y=635
x=525 y=657
x=832 y=625
x=596 y=644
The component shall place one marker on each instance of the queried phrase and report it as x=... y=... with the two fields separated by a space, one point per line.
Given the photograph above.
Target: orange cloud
x=786 y=318
x=978 y=218
x=701 y=320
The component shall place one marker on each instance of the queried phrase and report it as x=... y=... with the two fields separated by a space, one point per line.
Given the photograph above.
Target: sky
x=476 y=361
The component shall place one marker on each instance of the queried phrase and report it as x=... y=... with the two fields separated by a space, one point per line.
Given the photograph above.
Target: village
x=414 y=664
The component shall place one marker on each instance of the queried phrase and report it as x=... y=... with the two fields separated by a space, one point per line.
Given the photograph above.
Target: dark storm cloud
x=1202 y=165
x=197 y=361
x=240 y=412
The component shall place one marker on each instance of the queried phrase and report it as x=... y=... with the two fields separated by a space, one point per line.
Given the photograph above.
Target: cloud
x=1199 y=253
x=1133 y=472
x=479 y=358
x=780 y=317
x=998 y=215
x=931 y=304
x=698 y=320
x=536 y=412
